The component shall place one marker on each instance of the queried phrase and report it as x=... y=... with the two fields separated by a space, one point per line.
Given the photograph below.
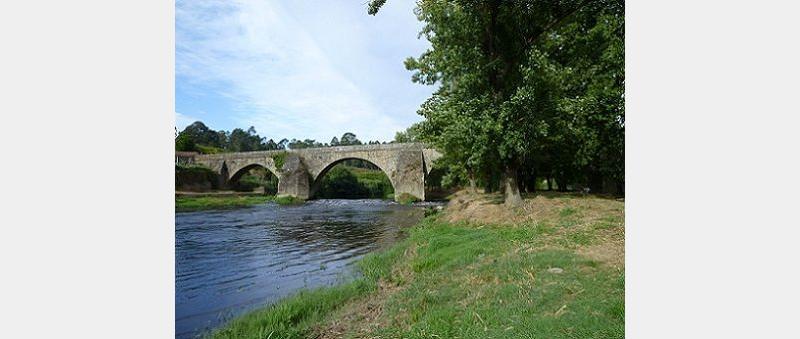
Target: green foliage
x=527 y=89
x=353 y=183
x=184 y=143
x=279 y=159
x=339 y=182
x=349 y=139
x=307 y=143
x=210 y=142
x=429 y=211
x=411 y=134
x=288 y=200
x=240 y=140
x=254 y=178
x=200 y=133
x=374 y=6
x=188 y=176
x=247 y=183
x=198 y=137
x=406 y=199
x=208 y=149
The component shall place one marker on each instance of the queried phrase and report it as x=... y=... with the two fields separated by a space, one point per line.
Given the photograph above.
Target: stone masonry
x=301 y=170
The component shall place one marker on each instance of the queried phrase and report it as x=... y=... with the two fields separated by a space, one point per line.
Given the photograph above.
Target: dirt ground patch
x=357 y=318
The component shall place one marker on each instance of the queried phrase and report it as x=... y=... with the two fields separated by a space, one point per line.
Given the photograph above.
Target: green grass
x=460 y=280
x=406 y=199
x=186 y=204
x=295 y=316
x=567 y=211
x=288 y=200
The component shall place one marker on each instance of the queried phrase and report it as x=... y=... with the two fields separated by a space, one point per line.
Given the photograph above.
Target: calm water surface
x=230 y=262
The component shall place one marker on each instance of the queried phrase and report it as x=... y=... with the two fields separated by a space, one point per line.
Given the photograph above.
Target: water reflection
x=228 y=262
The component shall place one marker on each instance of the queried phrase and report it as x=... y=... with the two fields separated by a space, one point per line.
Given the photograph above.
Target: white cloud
x=286 y=83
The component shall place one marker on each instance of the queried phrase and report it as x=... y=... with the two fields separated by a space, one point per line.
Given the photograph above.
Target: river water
x=229 y=262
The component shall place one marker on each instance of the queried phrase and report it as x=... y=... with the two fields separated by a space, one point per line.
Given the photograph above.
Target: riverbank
x=190 y=203
x=553 y=268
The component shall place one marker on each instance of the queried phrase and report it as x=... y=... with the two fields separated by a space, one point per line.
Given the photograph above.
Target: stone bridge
x=300 y=171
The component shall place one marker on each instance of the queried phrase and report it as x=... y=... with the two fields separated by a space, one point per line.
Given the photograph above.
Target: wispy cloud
x=295 y=71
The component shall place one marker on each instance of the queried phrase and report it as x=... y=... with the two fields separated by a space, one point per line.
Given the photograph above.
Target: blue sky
x=297 y=69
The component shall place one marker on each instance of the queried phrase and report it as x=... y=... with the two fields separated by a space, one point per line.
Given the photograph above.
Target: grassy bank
x=201 y=203
x=551 y=269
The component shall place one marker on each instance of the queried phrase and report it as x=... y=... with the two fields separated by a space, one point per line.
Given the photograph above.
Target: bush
x=184 y=143
x=247 y=183
x=406 y=199
x=353 y=183
x=195 y=177
x=279 y=159
x=341 y=183
x=288 y=200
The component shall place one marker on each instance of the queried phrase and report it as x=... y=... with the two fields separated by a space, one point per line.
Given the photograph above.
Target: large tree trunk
x=549 y=184
x=511 y=187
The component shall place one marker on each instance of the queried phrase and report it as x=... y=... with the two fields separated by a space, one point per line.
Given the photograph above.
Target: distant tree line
x=197 y=137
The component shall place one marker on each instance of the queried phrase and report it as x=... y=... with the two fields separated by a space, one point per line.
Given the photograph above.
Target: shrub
x=184 y=143
x=247 y=183
x=350 y=183
x=280 y=159
x=288 y=200
x=406 y=199
x=194 y=176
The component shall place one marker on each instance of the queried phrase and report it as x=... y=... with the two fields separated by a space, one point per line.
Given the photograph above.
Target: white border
x=87 y=95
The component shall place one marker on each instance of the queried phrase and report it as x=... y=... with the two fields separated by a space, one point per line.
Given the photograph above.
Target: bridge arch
x=246 y=168
x=405 y=164
x=317 y=180
x=236 y=171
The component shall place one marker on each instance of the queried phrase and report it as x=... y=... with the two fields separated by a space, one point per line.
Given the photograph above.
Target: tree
x=201 y=134
x=524 y=85
x=411 y=134
x=349 y=139
x=307 y=143
x=282 y=144
x=270 y=145
x=185 y=143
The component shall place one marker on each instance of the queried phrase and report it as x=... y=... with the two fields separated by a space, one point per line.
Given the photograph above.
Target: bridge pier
x=408 y=175
x=294 y=178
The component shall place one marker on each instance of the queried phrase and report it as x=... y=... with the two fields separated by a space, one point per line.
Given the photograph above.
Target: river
x=233 y=261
